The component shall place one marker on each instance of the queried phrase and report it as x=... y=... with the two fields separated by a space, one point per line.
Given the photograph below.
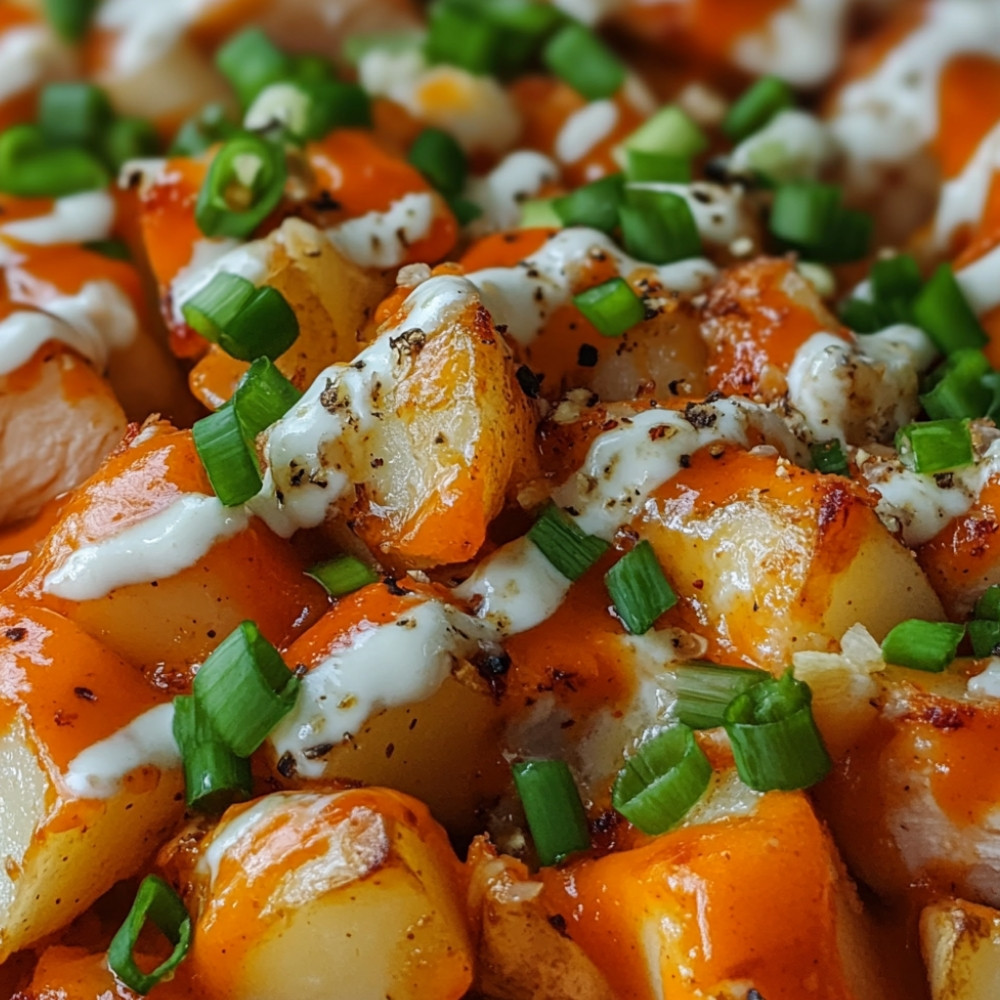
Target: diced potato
x=61 y=846
x=354 y=895
x=961 y=946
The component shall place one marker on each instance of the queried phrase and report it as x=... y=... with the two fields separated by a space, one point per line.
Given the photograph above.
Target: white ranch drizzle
x=27 y=54
x=146 y=30
x=148 y=740
x=77 y=218
x=980 y=281
x=382 y=239
x=401 y=662
x=720 y=213
x=506 y=187
x=963 y=198
x=155 y=547
x=585 y=129
x=212 y=257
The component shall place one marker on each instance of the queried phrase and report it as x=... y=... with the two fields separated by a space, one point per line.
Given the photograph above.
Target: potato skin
x=960 y=942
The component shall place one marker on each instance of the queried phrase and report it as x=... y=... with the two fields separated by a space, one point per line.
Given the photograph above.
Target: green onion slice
x=539 y=213
x=552 y=808
x=922 y=645
x=209 y=126
x=659 y=226
x=578 y=57
x=462 y=37
x=774 y=737
x=656 y=167
x=243 y=185
x=662 y=780
x=809 y=217
x=214 y=777
x=958 y=387
x=829 y=457
x=569 y=549
x=705 y=689
x=263 y=397
x=943 y=312
x=612 y=307
x=70 y=18
x=129 y=139
x=670 y=132
x=74 y=114
x=155 y=901
x=757 y=106
x=441 y=160
x=594 y=205
x=245 y=689
x=988 y=605
x=639 y=589
x=984 y=636
x=227 y=452
x=342 y=575
x=30 y=168
x=250 y=61
x=936 y=445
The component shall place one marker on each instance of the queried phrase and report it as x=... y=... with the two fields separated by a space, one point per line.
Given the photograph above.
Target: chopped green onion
x=670 y=132
x=356 y=47
x=212 y=308
x=70 y=18
x=984 y=636
x=578 y=57
x=214 y=777
x=129 y=139
x=464 y=209
x=861 y=316
x=594 y=205
x=342 y=575
x=935 y=446
x=849 y=238
x=440 y=159
x=263 y=397
x=957 y=387
x=29 y=168
x=155 y=901
x=988 y=605
x=809 y=217
x=462 y=37
x=209 y=126
x=73 y=114
x=265 y=327
x=250 y=61
x=552 y=808
x=569 y=549
x=659 y=226
x=756 y=107
x=943 y=312
x=244 y=184
x=662 y=780
x=896 y=282
x=245 y=689
x=639 y=588
x=705 y=689
x=922 y=645
x=612 y=307
x=311 y=68
x=774 y=737
x=828 y=457
x=661 y=167
x=227 y=452
x=539 y=213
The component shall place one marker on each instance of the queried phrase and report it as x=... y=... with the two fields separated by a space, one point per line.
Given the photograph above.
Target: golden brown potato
x=354 y=895
x=89 y=775
x=961 y=946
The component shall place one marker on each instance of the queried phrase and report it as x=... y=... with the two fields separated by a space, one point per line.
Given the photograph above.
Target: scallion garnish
x=670 y=132
x=639 y=588
x=342 y=575
x=129 y=139
x=756 y=106
x=774 y=737
x=936 y=445
x=540 y=213
x=438 y=156
x=659 y=226
x=263 y=396
x=957 y=388
x=594 y=205
x=705 y=689
x=156 y=902
x=250 y=61
x=30 y=168
x=809 y=217
x=462 y=37
x=214 y=777
x=335 y=104
x=569 y=549
x=828 y=457
x=656 y=167
x=662 y=780
x=245 y=182
x=552 y=808
x=244 y=689
x=984 y=636
x=612 y=307
x=578 y=57
x=227 y=452
x=988 y=605
x=74 y=114
x=922 y=645
x=70 y=18
x=209 y=126
x=942 y=311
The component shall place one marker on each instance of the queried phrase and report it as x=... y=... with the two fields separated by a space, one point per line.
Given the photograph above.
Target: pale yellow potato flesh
x=961 y=946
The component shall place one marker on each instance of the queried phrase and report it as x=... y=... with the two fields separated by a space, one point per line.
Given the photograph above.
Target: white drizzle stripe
x=28 y=53
x=383 y=239
x=401 y=662
x=212 y=257
x=501 y=193
x=146 y=29
x=585 y=129
x=77 y=218
x=151 y=549
x=963 y=198
x=980 y=281
x=148 y=740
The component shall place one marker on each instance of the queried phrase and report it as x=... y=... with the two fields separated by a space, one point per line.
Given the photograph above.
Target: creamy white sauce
x=383 y=239
x=888 y=115
x=794 y=145
x=986 y=684
x=28 y=54
x=801 y=42
x=284 y=104
x=212 y=257
x=401 y=662
x=980 y=281
x=719 y=212
x=588 y=11
x=622 y=468
x=151 y=549
x=77 y=218
x=963 y=198
x=500 y=194
x=585 y=129
x=476 y=110
x=95 y=322
x=147 y=29
x=147 y=741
